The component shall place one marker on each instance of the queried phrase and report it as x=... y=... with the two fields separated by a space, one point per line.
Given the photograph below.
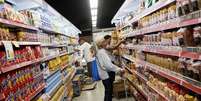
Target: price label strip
x=9 y=50
x=15 y=44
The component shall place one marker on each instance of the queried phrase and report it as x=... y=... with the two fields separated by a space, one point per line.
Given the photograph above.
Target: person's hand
x=122 y=72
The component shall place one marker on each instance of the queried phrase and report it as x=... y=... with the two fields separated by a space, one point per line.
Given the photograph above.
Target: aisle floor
x=96 y=95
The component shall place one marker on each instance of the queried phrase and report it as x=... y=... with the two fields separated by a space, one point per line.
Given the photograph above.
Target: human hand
x=122 y=72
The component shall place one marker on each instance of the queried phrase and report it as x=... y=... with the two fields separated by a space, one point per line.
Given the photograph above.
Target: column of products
x=19 y=84
x=174 y=13
x=155 y=87
x=162 y=50
x=33 y=60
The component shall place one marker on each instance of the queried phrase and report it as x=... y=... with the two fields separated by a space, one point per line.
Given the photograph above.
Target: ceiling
x=78 y=12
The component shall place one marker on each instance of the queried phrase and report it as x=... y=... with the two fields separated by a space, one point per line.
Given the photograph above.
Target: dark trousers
x=108 y=84
x=89 y=69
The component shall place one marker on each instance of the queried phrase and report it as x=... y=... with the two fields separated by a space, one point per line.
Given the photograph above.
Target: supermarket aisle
x=96 y=94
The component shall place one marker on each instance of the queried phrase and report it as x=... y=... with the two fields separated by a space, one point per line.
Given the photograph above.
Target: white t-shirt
x=85 y=49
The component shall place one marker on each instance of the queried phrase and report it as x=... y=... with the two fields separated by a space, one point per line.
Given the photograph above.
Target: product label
x=15 y=44
x=9 y=50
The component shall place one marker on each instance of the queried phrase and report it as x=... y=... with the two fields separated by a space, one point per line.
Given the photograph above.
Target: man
x=85 y=48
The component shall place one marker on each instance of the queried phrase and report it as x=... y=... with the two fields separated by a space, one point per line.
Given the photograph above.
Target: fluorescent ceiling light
x=94 y=11
x=94 y=3
x=94 y=17
x=93 y=22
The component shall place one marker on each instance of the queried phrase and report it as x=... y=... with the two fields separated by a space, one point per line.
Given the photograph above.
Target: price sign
x=15 y=44
x=9 y=50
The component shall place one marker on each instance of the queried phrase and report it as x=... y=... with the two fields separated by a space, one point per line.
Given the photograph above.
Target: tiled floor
x=96 y=95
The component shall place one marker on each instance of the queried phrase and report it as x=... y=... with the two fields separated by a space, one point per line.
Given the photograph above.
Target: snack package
x=197 y=36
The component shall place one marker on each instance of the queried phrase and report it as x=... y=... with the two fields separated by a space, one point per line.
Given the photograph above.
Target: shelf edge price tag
x=9 y=50
x=15 y=44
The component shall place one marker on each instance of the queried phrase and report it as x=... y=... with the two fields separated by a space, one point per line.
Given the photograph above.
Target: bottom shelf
x=36 y=92
x=138 y=89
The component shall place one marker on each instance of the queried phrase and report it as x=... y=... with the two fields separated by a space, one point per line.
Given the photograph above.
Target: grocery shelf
x=37 y=91
x=173 y=76
x=138 y=89
x=170 y=24
x=152 y=9
x=65 y=53
x=22 y=43
x=10 y=23
x=54 y=32
x=73 y=74
x=37 y=75
x=51 y=73
x=48 y=30
x=176 y=77
x=20 y=65
x=186 y=22
x=128 y=58
x=69 y=77
x=140 y=76
x=29 y=63
x=129 y=70
x=63 y=67
x=164 y=51
x=54 y=89
x=54 y=45
x=54 y=56
x=158 y=92
x=62 y=96
x=66 y=78
x=27 y=43
x=52 y=80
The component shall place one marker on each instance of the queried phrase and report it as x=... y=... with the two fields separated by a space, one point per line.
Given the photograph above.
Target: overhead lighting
x=94 y=10
x=94 y=3
x=94 y=22
x=94 y=18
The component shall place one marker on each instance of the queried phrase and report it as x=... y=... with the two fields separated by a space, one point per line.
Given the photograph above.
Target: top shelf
x=13 y=24
x=10 y=23
x=152 y=9
x=54 y=32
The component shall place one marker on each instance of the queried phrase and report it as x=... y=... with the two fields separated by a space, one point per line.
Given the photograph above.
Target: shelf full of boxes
x=35 y=62
x=162 y=53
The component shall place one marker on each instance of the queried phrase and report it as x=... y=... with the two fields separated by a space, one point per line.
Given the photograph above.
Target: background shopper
x=85 y=48
x=105 y=67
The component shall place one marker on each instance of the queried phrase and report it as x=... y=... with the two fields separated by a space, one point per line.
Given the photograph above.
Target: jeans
x=108 y=85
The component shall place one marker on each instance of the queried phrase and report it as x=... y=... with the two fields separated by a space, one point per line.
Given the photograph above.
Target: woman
x=105 y=67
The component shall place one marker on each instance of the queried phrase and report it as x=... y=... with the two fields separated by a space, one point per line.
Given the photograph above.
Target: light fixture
x=94 y=18
x=93 y=3
x=93 y=22
x=94 y=9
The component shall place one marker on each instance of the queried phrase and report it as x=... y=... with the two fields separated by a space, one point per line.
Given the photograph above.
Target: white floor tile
x=96 y=95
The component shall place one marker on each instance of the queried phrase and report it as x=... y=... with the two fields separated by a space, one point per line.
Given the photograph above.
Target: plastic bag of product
x=185 y=37
x=197 y=35
x=197 y=70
